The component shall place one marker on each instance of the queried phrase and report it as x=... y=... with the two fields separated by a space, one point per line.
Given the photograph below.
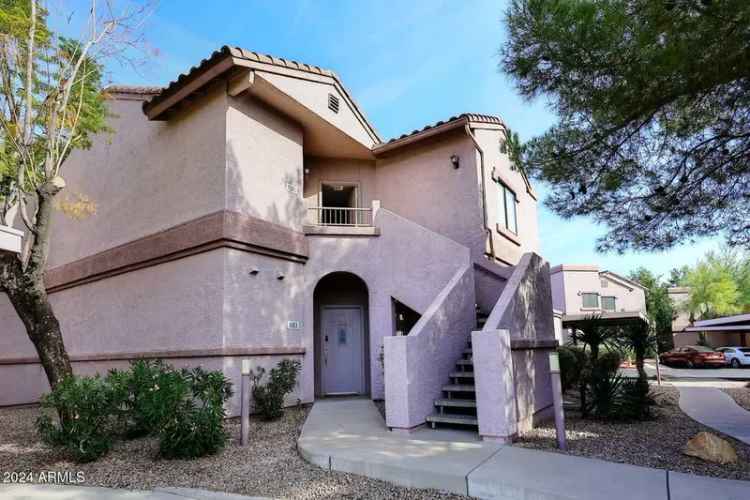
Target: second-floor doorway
x=338 y=201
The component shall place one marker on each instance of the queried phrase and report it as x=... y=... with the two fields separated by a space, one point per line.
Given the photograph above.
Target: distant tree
x=51 y=103
x=653 y=99
x=658 y=307
x=677 y=275
x=713 y=290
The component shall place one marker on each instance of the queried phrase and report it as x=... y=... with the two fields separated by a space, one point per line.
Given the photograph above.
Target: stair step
x=465 y=362
x=456 y=403
x=462 y=375
x=458 y=388
x=468 y=351
x=452 y=419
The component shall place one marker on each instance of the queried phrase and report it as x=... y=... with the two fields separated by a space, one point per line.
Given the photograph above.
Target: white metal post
x=557 y=400
x=245 y=403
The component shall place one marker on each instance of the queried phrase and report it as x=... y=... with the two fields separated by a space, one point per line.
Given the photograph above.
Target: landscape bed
x=741 y=396
x=269 y=466
x=654 y=443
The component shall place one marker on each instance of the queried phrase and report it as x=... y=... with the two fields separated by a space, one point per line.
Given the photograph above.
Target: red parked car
x=692 y=356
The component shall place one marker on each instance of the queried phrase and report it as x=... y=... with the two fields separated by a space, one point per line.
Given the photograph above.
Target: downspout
x=483 y=193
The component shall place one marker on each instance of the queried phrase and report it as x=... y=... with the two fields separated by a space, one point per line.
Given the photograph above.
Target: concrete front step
x=458 y=388
x=462 y=374
x=452 y=419
x=465 y=362
x=456 y=403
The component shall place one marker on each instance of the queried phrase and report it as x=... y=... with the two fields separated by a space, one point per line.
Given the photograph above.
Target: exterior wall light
x=254 y=271
x=280 y=276
x=455 y=161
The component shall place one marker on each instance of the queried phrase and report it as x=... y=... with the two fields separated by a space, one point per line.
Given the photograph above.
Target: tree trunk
x=25 y=288
x=640 y=356
x=32 y=304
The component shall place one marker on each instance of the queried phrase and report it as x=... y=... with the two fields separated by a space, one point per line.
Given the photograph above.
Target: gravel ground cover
x=270 y=466
x=741 y=396
x=657 y=443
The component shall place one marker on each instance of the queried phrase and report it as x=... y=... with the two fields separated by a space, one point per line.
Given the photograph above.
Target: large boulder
x=711 y=448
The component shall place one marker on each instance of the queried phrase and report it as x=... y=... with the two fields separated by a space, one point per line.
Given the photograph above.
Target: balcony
x=341 y=221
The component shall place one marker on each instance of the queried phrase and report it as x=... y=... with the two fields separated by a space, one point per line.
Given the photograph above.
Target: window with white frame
x=608 y=303
x=590 y=300
x=506 y=208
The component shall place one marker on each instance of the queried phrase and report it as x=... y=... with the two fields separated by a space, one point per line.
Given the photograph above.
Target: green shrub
x=608 y=363
x=139 y=391
x=635 y=400
x=184 y=408
x=572 y=360
x=194 y=426
x=269 y=398
x=83 y=426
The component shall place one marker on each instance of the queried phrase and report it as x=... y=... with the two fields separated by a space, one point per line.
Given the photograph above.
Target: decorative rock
x=711 y=448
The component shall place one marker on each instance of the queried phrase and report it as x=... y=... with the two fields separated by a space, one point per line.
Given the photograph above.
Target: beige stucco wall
x=144 y=177
x=264 y=163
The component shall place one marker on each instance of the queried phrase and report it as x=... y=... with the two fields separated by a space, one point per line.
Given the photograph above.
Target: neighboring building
x=250 y=210
x=582 y=291
x=679 y=296
x=718 y=332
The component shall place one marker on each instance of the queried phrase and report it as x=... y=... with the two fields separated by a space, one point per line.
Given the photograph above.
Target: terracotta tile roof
x=133 y=89
x=227 y=51
x=471 y=117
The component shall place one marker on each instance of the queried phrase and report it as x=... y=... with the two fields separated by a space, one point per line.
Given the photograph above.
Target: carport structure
x=718 y=332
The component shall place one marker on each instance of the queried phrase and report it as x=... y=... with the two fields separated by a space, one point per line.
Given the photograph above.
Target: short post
x=658 y=370
x=557 y=400
x=245 y=403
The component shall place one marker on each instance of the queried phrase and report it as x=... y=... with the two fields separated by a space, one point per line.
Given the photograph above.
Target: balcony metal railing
x=339 y=216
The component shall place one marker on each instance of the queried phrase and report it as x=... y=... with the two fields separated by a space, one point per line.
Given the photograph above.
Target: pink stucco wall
x=508 y=250
x=360 y=173
x=238 y=154
x=523 y=313
x=407 y=262
x=144 y=177
x=569 y=281
x=416 y=365
x=264 y=163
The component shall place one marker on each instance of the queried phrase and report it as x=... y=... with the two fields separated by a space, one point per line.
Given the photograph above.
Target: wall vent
x=333 y=103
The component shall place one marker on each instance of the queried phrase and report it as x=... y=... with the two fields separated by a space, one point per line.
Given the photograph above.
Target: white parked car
x=736 y=356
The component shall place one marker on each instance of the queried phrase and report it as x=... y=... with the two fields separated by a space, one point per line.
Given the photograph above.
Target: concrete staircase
x=458 y=407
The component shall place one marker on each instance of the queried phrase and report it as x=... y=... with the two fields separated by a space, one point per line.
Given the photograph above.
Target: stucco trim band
x=223 y=229
x=185 y=354
x=531 y=344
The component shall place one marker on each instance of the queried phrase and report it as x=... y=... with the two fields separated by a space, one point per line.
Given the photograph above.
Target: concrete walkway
x=716 y=409
x=350 y=436
x=53 y=492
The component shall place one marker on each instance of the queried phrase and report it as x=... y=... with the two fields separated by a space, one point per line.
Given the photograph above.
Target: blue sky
x=406 y=63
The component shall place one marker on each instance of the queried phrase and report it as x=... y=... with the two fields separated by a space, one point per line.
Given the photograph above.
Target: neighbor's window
x=506 y=208
x=608 y=303
x=590 y=300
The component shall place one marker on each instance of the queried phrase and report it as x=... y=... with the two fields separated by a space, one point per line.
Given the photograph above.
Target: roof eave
x=418 y=137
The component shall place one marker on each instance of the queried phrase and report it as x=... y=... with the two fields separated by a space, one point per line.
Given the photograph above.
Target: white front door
x=343 y=350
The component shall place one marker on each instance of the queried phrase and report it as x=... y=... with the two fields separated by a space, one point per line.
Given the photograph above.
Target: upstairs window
x=506 y=208
x=590 y=300
x=608 y=303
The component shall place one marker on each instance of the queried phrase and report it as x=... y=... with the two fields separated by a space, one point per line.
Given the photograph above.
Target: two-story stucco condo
x=583 y=291
x=249 y=210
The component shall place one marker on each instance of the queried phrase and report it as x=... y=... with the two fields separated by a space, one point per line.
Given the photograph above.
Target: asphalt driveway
x=676 y=373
